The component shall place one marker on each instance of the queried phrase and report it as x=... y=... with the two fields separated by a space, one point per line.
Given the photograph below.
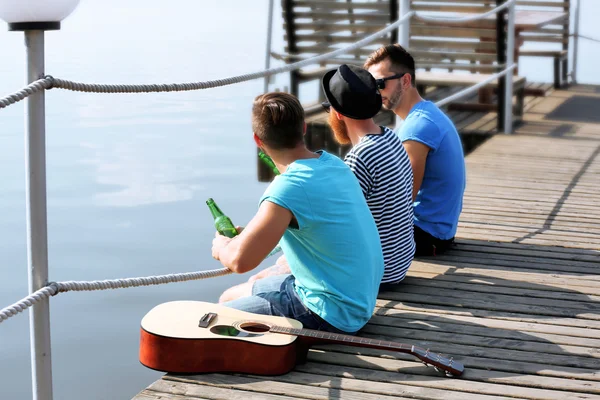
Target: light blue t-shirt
x=335 y=253
x=440 y=197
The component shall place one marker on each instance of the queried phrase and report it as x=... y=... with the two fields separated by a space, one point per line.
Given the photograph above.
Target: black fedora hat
x=352 y=91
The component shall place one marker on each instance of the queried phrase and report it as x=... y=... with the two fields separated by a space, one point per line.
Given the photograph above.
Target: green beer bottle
x=268 y=161
x=222 y=222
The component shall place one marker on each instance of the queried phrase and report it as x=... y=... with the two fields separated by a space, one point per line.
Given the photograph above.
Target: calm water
x=128 y=175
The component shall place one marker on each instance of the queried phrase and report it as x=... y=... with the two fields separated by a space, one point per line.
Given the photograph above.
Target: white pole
x=510 y=59
x=404 y=29
x=37 y=238
x=268 y=54
x=575 y=41
x=403 y=37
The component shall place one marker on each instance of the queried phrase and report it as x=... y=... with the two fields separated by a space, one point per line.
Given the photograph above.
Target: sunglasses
x=381 y=82
x=326 y=106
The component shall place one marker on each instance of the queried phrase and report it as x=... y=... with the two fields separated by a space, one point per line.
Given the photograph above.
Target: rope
x=57 y=287
x=465 y=19
x=30 y=89
x=27 y=302
x=172 y=87
x=586 y=37
x=473 y=88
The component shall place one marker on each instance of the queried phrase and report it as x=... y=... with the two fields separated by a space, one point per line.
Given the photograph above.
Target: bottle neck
x=215 y=210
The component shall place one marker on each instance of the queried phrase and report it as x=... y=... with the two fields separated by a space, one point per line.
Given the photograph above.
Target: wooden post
x=393 y=18
x=501 y=58
x=290 y=30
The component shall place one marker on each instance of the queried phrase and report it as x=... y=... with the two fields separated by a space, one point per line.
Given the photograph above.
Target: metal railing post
x=37 y=233
x=510 y=59
x=269 y=37
x=576 y=40
x=404 y=29
x=403 y=38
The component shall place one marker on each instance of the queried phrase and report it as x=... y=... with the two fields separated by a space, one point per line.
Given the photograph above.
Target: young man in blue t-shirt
x=433 y=146
x=316 y=211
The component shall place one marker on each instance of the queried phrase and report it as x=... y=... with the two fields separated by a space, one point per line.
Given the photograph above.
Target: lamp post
x=33 y=17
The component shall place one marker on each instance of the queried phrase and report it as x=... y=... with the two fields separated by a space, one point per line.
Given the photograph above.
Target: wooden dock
x=517 y=301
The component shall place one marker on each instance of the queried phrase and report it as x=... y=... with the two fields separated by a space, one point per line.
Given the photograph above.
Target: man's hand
x=417 y=154
x=246 y=251
x=220 y=241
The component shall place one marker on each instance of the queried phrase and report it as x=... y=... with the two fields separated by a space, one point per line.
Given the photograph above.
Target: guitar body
x=172 y=341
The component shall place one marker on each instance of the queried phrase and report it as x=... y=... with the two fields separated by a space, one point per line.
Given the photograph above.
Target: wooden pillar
x=501 y=58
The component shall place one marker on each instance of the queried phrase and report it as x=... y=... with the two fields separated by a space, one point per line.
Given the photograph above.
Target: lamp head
x=22 y=15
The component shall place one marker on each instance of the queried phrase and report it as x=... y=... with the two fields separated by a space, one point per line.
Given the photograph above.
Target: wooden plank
x=457 y=349
x=235 y=387
x=530 y=250
x=373 y=382
x=451 y=387
x=525 y=275
x=538 y=239
x=459 y=321
x=456 y=295
x=478 y=362
x=485 y=337
x=484 y=313
x=488 y=302
x=412 y=282
x=480 y=379
x=452 y=79
x=577 y=287
x=549 y=265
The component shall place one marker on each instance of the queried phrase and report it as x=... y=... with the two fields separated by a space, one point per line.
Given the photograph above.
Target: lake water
x=128 y=175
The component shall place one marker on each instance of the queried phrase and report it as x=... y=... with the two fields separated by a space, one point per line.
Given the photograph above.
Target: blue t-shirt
x=439 y=201
x=335 y=252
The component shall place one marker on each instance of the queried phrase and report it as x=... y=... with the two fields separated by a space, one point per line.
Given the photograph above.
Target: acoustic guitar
x=194 y=337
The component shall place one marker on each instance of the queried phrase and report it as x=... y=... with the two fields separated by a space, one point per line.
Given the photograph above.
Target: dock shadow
x=547 y=224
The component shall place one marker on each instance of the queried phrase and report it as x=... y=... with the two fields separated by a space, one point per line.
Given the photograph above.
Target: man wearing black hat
x=378 y=161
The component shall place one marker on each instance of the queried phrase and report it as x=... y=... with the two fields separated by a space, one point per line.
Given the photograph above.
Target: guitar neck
x=345 y=339
x=454 y=368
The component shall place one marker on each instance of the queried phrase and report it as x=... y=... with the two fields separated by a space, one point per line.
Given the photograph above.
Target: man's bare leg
x=235 y=292
x=281 y=267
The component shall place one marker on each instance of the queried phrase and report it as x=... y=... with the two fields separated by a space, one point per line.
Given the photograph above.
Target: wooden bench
x=447 y=46
x=557 y=33
x=314 y=27
x=472 y=46
x=426 y=79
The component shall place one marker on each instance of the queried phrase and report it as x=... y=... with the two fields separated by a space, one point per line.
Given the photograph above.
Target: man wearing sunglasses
x=433 y=146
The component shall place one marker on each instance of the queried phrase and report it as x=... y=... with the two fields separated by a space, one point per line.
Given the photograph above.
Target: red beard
x=340 y=131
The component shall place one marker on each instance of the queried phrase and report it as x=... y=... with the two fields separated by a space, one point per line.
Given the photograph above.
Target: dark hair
x=278 y=120
x=401 y=60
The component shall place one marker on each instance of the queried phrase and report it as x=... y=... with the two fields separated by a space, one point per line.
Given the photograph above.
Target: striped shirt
x=385 y=175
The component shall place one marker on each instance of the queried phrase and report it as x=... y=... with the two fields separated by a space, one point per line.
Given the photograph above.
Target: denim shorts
x=275 y=295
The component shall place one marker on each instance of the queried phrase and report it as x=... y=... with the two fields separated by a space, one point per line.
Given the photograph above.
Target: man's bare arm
x=417 y=153
x=246 y=251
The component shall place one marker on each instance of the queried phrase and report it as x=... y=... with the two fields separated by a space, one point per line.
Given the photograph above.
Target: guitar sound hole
x=256 y=327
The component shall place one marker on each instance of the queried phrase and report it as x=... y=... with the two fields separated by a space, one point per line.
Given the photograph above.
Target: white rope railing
x=53 y=288
x=475 y=87
x=586 y=38
x=51 y=82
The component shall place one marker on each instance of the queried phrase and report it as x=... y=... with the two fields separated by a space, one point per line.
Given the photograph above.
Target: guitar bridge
x=206 y=320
